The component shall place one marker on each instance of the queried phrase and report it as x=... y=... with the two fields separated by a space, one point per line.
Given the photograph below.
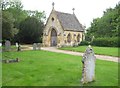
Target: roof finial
x=53 y=4
x=73 y=10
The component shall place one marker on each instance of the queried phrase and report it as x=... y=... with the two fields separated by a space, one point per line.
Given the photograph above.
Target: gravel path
x=101 y=57
x=54 y=49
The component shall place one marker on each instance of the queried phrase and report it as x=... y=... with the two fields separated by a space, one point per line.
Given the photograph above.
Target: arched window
x=69 y=38
x=78 y=38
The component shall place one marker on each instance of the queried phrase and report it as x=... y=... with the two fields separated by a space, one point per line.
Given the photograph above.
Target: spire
x=53 y=5
x=73 y=10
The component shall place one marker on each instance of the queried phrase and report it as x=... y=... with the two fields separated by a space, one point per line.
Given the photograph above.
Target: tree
x=38 y=15
x=16 y=8
x=7 y=25
x=30 y=30
x=107 y=25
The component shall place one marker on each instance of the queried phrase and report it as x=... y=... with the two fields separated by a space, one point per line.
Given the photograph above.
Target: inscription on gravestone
x=88 y=71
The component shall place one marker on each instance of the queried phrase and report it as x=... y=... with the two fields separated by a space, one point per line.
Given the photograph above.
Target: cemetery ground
x=109 y=51
x=43 y=68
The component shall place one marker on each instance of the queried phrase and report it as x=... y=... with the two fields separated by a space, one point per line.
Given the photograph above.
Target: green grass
x=42 y=68
x=110 y=51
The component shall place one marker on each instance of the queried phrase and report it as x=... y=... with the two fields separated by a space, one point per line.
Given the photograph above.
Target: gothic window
x=78 y=38
x=69 y=38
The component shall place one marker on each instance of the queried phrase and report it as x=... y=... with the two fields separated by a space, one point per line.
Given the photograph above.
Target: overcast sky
x=85 y=10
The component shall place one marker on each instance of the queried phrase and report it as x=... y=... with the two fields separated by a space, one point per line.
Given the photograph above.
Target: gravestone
x=19 y=47
x=7 y=45
x=38 y=46
x=34 y=46
x=0 y=44
x=88 y=71
x=16 y=44
x=0 y=47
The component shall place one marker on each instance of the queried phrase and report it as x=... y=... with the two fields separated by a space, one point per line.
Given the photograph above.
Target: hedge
x=110 y=42
x=85 y=43
x=107 y=42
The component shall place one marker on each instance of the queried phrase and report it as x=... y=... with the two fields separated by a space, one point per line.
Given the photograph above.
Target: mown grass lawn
x=43 y=68
x=110 y=51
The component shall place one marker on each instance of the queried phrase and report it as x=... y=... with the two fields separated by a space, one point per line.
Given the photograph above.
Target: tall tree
x=16 y=8
x=30 y=30
x=107 y=25
x=38 y=15
x=7 y=25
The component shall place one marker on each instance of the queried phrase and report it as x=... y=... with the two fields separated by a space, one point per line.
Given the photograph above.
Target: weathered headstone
x=88 y=71
x=0 y=44
x=16 y=44
x=38 y=46
x=7 y=45
x=0 y=47
x=34 y=46
x=19 y=47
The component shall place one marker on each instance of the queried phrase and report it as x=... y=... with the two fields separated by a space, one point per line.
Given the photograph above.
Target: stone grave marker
x=34 y=46
x=0 y=44
x=88 y=71
x=7 y=45
x=0 y=47
x=16 y=44
x=38 y=46
x=19 y=47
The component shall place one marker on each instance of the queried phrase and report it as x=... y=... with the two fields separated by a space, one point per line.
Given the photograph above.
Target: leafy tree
x=105 y=29
x=7 y=25
x=38 y=15
x=16 y=8
x=30 y=30
x=107 y=25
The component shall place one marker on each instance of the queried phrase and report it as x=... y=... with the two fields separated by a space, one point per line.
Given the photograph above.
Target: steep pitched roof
x=69 y=21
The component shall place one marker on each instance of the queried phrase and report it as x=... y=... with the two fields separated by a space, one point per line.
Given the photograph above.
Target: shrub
x=109 y=42
x=85 y=43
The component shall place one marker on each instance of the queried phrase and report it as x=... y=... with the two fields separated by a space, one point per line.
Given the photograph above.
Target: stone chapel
x=62 y=29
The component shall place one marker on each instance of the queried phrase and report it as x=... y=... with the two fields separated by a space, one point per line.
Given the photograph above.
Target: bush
x=109 y=42
x=84 y=43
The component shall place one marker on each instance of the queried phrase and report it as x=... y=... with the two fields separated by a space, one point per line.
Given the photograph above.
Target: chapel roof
x=69 y=21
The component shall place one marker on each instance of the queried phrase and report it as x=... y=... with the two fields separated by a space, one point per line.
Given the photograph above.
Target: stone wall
x=73 y=38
